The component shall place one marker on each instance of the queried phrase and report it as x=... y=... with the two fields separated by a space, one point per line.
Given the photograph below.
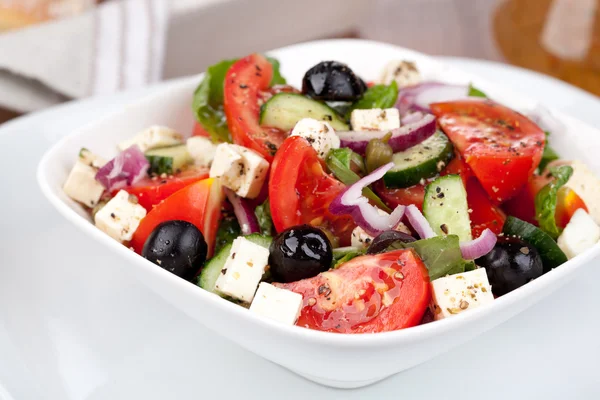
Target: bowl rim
x=402 y=336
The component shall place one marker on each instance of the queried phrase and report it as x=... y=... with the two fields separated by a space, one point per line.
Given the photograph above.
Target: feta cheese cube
x=81 y=184
x=120 y=217
x=277 y=304
x=375 y=119
x=240 y=169
x=587 y=186
x=243 y=270
x=580 y=234
x=405 y=73
x=319 y=134
x=153 y=138
x=202 y=150
x=460 y=292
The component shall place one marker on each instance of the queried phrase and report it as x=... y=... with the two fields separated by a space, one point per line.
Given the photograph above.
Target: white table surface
x=74 y=326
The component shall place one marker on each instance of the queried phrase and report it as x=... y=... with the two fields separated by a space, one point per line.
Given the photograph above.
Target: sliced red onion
x=352 y=202
x=478 y=247
x=411 y=117
x=420 y=96
x=127 y=168
x=244 y=213
x=418 y=222
x=402 y=138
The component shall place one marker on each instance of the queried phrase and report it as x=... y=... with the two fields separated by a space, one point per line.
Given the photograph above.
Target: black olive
x=177 y=246
x=298 y=253
x=332 y=81
x=511 y=264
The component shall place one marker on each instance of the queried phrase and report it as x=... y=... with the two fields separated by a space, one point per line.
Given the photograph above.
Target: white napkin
x=118 y=45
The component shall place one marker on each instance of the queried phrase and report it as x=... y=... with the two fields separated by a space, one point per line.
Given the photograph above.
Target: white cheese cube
x=242 y=170
x=319 y=134
x=587 y=185
x=120 y=217
x=81 y=184
x=243 y=270
x=375 y=119
x=405 y=73
x=460 y=292
x=278 y=304
x=202 y=150
x=152 y=138
x=580 y=234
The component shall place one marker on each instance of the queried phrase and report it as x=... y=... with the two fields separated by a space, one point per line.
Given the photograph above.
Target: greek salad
x=345 y=205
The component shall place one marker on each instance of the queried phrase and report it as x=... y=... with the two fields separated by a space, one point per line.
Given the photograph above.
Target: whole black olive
x=511 y=264
x=332 y=81
x=177 y=246
x=299 y=252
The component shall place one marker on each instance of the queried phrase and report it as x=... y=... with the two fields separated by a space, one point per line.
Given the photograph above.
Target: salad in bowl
x=345 y=205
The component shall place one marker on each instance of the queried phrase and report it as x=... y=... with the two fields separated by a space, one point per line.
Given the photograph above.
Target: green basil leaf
x=546 y=199
x=338 y=162
x=229 y=229
x=474 y=92
x=263 y=214
x=548 y=155
x=440 y=254
x=378 y=96
x=277 y=79
x=342 y=255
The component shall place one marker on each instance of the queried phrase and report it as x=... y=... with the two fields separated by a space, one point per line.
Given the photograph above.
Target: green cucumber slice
x=212 y=269
x=445 y=207
x=284 y=110
x=168 y=160
x=423 y=161
x=552 y=256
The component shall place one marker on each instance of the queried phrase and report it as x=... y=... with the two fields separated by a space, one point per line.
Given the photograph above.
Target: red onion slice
x=478 y=247
x=402 y=138
x=244 y=213
x=352 y=202
x=419 y=97
x=418 y=222
x=127 y=168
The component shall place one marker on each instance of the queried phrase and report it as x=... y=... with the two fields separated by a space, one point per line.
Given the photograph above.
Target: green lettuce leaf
x=378 y=96
x=474 y=92
x=229 y=229
x=546 y=199
x=548 y=155
x=263 y=214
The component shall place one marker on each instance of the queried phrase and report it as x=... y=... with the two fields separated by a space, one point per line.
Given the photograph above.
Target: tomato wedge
x=199 y=203
x=199 y=130
x=404 y=196
x=242 y=94
x=151 y=191
x=376 y=293
x=300 y=191
x=502 y=147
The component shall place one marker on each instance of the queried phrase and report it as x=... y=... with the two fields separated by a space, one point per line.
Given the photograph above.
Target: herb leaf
x=440 y=254
x=342 y=255
x=474 y=92
x=263 y=214
x=548 y=155
x=229 y=229
x=378 y=96
x=277 y=79
x=546 y=199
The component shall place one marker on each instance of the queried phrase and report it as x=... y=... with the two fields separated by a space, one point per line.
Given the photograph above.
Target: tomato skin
x=502 y=147
x=199 y=130
x=568 y=202
x=404 y=196
x=150 y=191
x=300 y=191
x=199 y=203
x=369 y=294
x=244 y=82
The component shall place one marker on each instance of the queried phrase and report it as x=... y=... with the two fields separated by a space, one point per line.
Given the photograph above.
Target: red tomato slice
x=199 y=130
x=368 y=294
x=404 y=196
x=242 y=92
x=300 y=191
x=199 y=203
x=502 y=147
x=151 y=191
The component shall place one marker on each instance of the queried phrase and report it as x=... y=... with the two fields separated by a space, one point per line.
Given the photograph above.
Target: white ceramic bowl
x=337 y=360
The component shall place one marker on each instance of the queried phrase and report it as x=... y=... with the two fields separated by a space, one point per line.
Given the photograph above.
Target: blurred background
x=52 y=51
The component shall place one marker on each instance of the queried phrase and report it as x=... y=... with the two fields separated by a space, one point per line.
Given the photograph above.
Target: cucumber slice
x=422 y=161
x=552 y=256
x=284 y=110
x=168 y=160
x=445 y=207
x=212 y=269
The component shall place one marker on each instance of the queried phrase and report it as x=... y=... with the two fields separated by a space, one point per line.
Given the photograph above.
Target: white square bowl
x=337 y=360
